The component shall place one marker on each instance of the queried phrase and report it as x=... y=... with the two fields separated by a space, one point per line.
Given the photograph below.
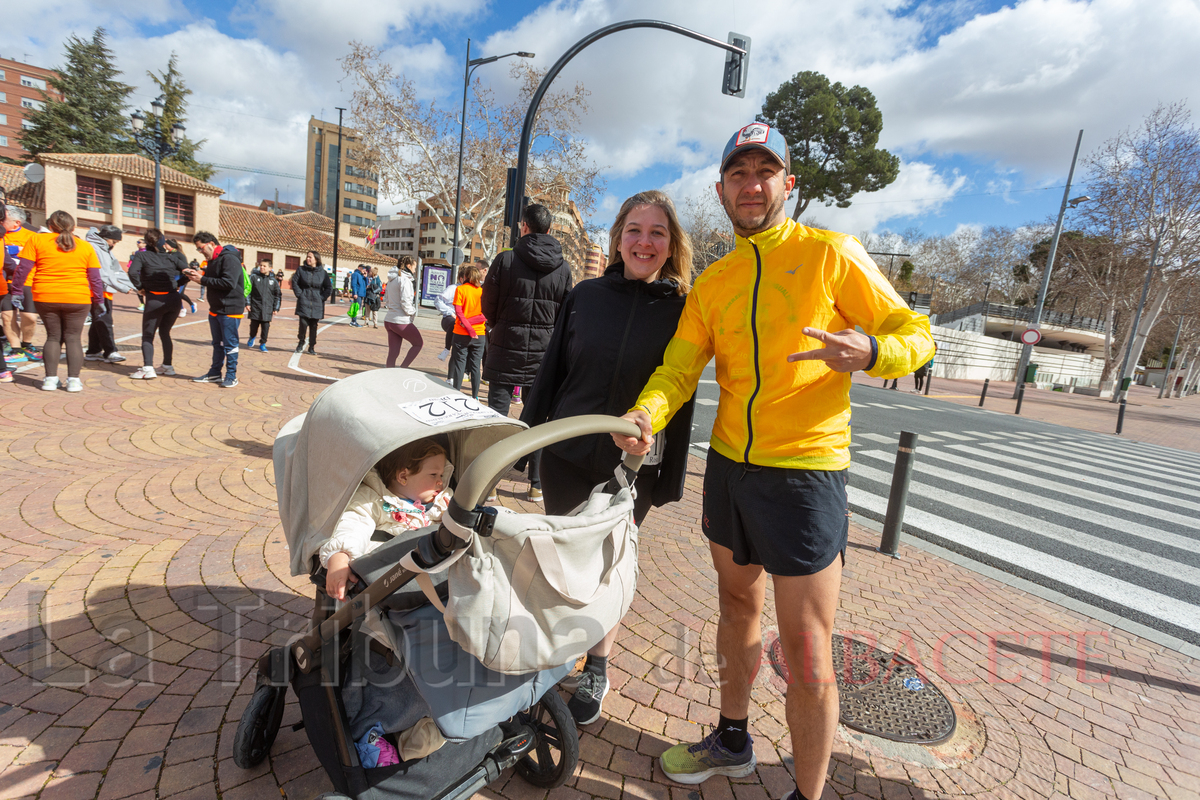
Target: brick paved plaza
x=144 y=569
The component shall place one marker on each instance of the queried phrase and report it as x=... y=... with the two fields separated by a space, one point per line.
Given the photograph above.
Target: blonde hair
x=679 y=266
x=474 y=275
x=63 y=224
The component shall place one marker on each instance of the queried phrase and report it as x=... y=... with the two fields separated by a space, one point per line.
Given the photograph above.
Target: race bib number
x=446 y=409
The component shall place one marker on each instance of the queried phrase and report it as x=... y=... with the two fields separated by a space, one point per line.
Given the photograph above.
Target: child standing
x=402 y=493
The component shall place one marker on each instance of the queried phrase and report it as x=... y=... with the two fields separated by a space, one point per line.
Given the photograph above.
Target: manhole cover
x=882 y=694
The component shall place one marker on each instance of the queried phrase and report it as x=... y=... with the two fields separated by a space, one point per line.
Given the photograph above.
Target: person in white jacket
x=403 y=492
x=400 y=321
x=445 y=304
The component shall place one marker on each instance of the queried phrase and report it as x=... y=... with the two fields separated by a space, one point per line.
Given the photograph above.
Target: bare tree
x=416 y=144
x=708 y=226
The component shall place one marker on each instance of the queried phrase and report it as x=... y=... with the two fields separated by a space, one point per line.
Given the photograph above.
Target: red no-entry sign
x=1031 y=336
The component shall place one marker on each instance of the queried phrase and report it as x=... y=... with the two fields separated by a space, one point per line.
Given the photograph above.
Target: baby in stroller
x=403 y=492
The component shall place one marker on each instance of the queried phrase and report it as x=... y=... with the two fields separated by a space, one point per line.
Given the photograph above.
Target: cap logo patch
x=755 y=133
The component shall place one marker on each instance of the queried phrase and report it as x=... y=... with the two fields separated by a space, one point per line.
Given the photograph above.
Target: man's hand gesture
x=844 y=351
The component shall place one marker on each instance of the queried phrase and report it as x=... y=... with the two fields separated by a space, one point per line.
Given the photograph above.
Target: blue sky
x=982 y=101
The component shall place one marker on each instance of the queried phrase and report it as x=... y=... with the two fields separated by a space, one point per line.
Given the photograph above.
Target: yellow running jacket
x=748 y=309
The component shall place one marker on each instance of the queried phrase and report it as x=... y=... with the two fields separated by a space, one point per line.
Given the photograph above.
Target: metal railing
x=1005 y=311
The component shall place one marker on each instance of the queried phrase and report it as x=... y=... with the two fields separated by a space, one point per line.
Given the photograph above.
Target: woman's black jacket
x=156 y=272
x=312 y=287
x=609 y=338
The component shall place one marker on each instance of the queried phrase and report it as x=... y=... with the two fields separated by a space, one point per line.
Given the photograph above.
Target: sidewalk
x=1168 y=422
x=143 y=569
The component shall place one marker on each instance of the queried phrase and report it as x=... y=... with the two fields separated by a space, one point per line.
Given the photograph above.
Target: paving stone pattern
x=143 y=571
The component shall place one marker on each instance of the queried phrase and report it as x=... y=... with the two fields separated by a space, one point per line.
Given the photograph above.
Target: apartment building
x=21 y=87
x=397 y=235
x=359 y=185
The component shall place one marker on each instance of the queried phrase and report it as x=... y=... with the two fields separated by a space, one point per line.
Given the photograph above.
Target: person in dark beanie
x=522 y=294
x=225 y=281
x=101 y=344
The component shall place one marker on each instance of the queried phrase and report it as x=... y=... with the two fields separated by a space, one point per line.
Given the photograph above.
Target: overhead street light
x=157 y=144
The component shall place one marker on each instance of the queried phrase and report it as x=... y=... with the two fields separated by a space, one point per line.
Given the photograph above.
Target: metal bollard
x=928 y=382
x=1020 y=397
x=983 y=394
x=1121 y=417
x=898 y=498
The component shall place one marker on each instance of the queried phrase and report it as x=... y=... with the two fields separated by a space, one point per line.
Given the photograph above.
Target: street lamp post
x=733 y=83
x=455 y=251
x=1027 y=350
x=157 y=146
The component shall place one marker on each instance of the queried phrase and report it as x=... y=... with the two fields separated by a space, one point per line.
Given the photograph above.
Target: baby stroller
x=386 y=653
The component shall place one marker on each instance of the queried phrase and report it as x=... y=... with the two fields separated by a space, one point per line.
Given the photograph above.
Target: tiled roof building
x=129 y=166
x=282 y=241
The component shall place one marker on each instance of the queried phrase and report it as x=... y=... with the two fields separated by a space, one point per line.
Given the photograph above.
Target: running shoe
x=535 y=494
x=207 y=379
x=93 y=357
x=229 y=383
x=696 y=763
x=16 y=357
x=115 y=358
x=49 y=384
x=250 y=343
x=585 y=705
x=141 y=307
x=182 y=313
x=32 y=353
x=74 y=385
x=166 y=369
x=262 y=348
x=312 y=351
x=442 y=355
x=144 y=374
x=193 y=305
x=300 y=347
x=6 y=376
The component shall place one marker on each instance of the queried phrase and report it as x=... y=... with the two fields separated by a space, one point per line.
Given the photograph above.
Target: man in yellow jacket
x=788 y=315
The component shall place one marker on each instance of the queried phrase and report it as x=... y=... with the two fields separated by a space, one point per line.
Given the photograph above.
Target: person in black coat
x=225 y=280
x=609 y=339
x=156 y=274
x=312 y=286
x=264 y=300
x=522 y=294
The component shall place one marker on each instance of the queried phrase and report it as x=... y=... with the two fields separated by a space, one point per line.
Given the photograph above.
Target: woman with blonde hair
x=610 y=336
x=66 y=285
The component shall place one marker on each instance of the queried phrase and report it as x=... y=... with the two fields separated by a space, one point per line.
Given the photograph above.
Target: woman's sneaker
x=74 y=385
x=585 y=705
x=144 y=374
x=49 y=384
x=6 y=376
x=696 y=763
x=114 y=358
x=93 y=357
x=167 y=369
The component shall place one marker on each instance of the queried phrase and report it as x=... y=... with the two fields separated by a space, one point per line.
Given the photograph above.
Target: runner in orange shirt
x=19 y=326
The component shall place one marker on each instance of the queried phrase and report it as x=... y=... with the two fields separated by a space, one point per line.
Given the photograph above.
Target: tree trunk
x=1188 y=378
x=1149 y=317
x=801 y=207
x=1109 y=335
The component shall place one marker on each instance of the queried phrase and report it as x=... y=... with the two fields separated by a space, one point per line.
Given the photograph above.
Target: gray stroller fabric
x=376 y=692
x=465 y=698
x=375 y=564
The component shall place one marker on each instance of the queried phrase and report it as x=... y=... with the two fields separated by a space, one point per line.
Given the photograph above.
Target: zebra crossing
x=1110 y=522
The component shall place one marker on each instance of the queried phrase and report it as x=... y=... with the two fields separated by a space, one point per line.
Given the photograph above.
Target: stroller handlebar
x=492 y=462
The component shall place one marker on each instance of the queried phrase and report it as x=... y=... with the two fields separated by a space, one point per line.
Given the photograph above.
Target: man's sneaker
x=49 y=384
x=442 y=355
x=262 y=348
x=74 y=385
x=229 y=383
x=312 y=351
x=6 y=376
x=32 y=354
x=144 y=374
x=250 y=343
x=207 y=379
x=696 y=763
x=193 y=305
x=588 y=698
x=535 y=494
x=115 y=358
x=166 y=369
x=300 y=347
x=182 y=313
x=93 y=357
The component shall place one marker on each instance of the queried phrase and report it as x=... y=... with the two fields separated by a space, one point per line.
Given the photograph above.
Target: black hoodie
x=521 y=296
x=609 y=340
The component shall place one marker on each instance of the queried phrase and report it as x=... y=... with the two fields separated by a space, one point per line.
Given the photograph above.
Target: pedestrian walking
x=65 y=285
x=19 y=324
x=8 y=258
x=609 y=338
x=444 y=303
x=225 y=280
x=469 y=330
x=157 y=274
x=102 y=343
x=400 y=320
x=374 y=298
x=264 y=300
x=358 y=294
x=312 y=286
x=919 y=376
x=779 y=314
x=521 y=297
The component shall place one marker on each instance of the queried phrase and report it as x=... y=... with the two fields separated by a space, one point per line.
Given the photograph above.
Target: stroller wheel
x=259 y=724
x=554 y=757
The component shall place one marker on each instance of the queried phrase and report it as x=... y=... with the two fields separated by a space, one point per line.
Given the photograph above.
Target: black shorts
x=26 y=298
x=789 y=521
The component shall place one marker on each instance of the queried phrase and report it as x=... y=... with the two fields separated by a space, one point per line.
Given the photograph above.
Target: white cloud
x=321 y=26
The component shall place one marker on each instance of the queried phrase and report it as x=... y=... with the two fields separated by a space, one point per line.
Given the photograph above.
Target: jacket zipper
x=754 y=334
x=612 y=389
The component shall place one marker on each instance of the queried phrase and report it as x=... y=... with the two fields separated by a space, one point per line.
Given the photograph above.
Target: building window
x=443 y=254
x=264 y=256
x=33 y=83
x=93 y=194
x=3 y=141
x=406 y=245
x=180 y=209
x=36 y=105
x=3 y=95
x=138 y=202
x=291 y=262
x=3 y=117
x=27 y=124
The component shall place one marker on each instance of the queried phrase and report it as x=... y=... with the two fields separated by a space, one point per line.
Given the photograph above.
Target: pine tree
x=175 y=92
x=90 y=116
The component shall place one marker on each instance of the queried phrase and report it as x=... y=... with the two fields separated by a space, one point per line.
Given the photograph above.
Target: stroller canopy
x=322 y=456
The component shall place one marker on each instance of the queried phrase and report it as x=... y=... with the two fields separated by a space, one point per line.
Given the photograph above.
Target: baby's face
x=426 y=482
